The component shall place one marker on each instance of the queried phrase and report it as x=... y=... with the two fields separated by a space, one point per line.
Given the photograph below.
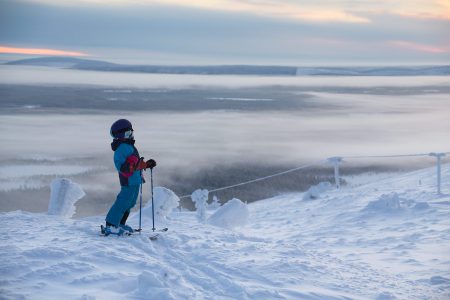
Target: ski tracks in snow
x=378 y=241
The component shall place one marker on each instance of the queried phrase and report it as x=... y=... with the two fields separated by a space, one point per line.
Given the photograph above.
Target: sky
x=205 y=32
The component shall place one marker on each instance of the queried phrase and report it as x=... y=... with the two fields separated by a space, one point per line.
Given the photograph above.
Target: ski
x=156 y=230
x=154 y=236
x=156 y=233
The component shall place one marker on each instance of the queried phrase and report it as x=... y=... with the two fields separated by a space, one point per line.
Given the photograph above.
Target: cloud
x=419 y=47
x=275 y=9
x=38 y=51
x=345 y=11
x=264 y=8
x=293 y=32
x=437 y=9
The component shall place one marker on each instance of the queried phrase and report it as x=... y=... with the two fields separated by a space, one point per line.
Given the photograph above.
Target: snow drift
x=392 y=203
x=234 y=213
x=314 y=191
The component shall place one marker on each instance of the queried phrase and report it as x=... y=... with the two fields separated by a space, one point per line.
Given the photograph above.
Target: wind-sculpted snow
x=64 y=195
x=165 y=202
x=329 y=248
x=314 y=191
x=200 y=199
x=232 y=214
x=393 y=203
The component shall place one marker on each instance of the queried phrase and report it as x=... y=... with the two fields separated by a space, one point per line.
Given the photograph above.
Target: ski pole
x=140 y=210
x=153 y=205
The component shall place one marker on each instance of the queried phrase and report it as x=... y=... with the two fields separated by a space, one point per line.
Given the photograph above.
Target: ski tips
x=153 y=237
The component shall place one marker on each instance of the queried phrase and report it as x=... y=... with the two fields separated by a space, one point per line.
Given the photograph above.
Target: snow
x=232 y=214
x=215 y=203
x=388 y=239
x=64 y=194
x=165 y=202
x=314 y=191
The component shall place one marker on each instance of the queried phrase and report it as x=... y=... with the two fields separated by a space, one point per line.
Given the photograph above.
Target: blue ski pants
x=125 y=201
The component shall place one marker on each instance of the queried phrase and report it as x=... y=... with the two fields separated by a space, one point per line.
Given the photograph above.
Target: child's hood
x=117 y=142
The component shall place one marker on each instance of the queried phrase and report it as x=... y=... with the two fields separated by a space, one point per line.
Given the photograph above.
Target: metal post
x=335 y=161
x=438 y=169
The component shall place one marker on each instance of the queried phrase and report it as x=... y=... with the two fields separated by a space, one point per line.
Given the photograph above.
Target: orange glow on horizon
x=38 y=51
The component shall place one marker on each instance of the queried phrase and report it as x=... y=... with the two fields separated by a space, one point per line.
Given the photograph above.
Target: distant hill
x=97 y=65
x=62 y=62
x=374 y=71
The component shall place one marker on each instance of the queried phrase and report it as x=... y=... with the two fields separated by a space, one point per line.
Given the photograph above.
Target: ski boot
x=109 y=229
x=126 y=228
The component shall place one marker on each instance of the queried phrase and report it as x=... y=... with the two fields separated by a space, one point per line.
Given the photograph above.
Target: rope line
x=260 y=179
x=313 y=164
x=391 y=156
x=387 y=156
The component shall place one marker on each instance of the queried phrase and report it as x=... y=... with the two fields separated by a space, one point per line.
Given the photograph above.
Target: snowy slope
x=386 y=240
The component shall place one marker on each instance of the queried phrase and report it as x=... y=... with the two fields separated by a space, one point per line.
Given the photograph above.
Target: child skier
x=129 y=165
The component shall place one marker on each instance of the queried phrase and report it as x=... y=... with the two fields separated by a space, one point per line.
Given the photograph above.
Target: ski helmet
x=122 y=129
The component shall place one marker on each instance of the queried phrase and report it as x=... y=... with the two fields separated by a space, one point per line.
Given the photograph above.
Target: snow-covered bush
x=215 y=204
x=421 y=206
x=200 y=199
x=387 y=203
x=234 y=213
x=314 y=191
x=165 y=202
x=63 y=196
x=393 y=203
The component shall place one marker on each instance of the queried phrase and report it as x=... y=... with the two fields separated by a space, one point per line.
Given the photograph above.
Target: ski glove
x=150 y=163
x=141 y=164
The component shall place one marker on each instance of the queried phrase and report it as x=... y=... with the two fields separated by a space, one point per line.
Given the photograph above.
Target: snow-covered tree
x=200 y=199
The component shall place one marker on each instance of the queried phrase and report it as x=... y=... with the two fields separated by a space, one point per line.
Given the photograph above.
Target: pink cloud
x=38 y=51
x=419 y=47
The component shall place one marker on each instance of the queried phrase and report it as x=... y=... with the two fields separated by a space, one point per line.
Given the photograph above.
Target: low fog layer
x=32 y=192
x=208 y=136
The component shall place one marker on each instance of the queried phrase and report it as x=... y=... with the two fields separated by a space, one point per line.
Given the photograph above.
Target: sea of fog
x=205 y=131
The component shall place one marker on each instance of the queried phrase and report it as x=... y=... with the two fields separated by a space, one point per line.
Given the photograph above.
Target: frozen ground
x=385 y=240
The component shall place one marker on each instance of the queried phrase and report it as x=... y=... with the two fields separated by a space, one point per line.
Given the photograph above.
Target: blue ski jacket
x=124 y=153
